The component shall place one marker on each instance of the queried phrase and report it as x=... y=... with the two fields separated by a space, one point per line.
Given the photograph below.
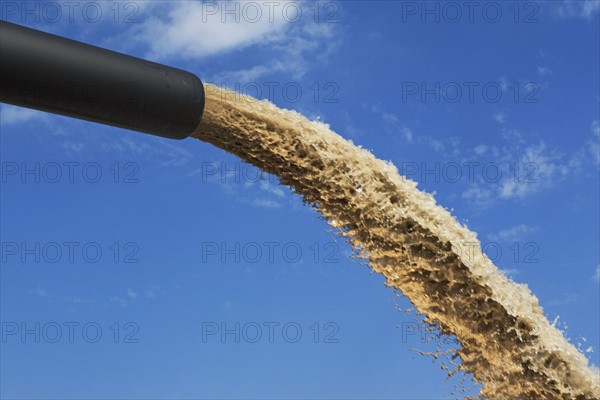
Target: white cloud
x=512 y=135
x=503 y=83
x=480 y=195
x=162 y=152
x=500 y=117
x=538 y=168
x=389 y=118
x=197 y=30
x=119 y=300
x=12 y=115
x=450 y=146
x=513 y=234
x=596 y=129
x=585 y=9
x=511 y=271
x=247 y=75
x=245 y=183
x=596 y=276
x=408 y=134
x=480 y=149
x=526 y=170
x=266 y=203
x=152 y=291
x=594 y=143
x=73 y=147
x=131 y=294
x=544 y=71
x=271 y=188
x=191 y=29
x=566 y=298
x=392 y=123
x=41 y=292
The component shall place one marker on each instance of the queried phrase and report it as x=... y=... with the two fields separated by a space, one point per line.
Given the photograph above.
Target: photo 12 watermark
x=269 y=252
x=54 y=12
x=454 y=12
x=254 y=12
x=470 y=171
x=236 y=172
x=33 y=172
x=68 y=252
x=525 y=252
x=452 y=92
x=69 y=332
x=426 y=333
x=327 y=92
x=270 y=332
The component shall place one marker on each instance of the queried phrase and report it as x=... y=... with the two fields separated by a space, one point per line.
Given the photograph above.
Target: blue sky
x=495 y=109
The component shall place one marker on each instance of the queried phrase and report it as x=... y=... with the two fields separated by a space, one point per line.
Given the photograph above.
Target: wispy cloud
x=245 y=183
x=390 y=121
x=41 y=292
x=393 y=125
x=12 y=115
x=151 y=292
x=197 y=30
x=189 y=30
x=72 y=147
x=119 y=300
x=266 y=203
x=544 y=169
x=529 y=169
x=585 y=9
x=407 y=133
x=513 y=234
x=594 y=143
x=480 y=149
x=500 y=117
x=511 y=271
x=479 y=195
x=132 y=295
x=596 y=276
x=163 y=153
x=512 y=135
x=270 y=188
x=544 y=71
x=290 y=54
x=564 y=299
x=271 y=194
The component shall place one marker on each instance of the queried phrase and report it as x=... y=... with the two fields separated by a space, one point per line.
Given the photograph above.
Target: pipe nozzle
x=50 y=73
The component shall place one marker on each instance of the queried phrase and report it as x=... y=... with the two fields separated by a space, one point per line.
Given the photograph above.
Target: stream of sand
x=506 y=342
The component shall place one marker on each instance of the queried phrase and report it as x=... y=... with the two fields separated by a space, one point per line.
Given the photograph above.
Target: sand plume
x=506 y=342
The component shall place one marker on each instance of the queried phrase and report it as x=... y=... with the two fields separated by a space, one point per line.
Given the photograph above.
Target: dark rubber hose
x=62 y=76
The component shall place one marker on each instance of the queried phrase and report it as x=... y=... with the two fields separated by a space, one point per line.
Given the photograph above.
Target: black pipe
x=58 y=75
